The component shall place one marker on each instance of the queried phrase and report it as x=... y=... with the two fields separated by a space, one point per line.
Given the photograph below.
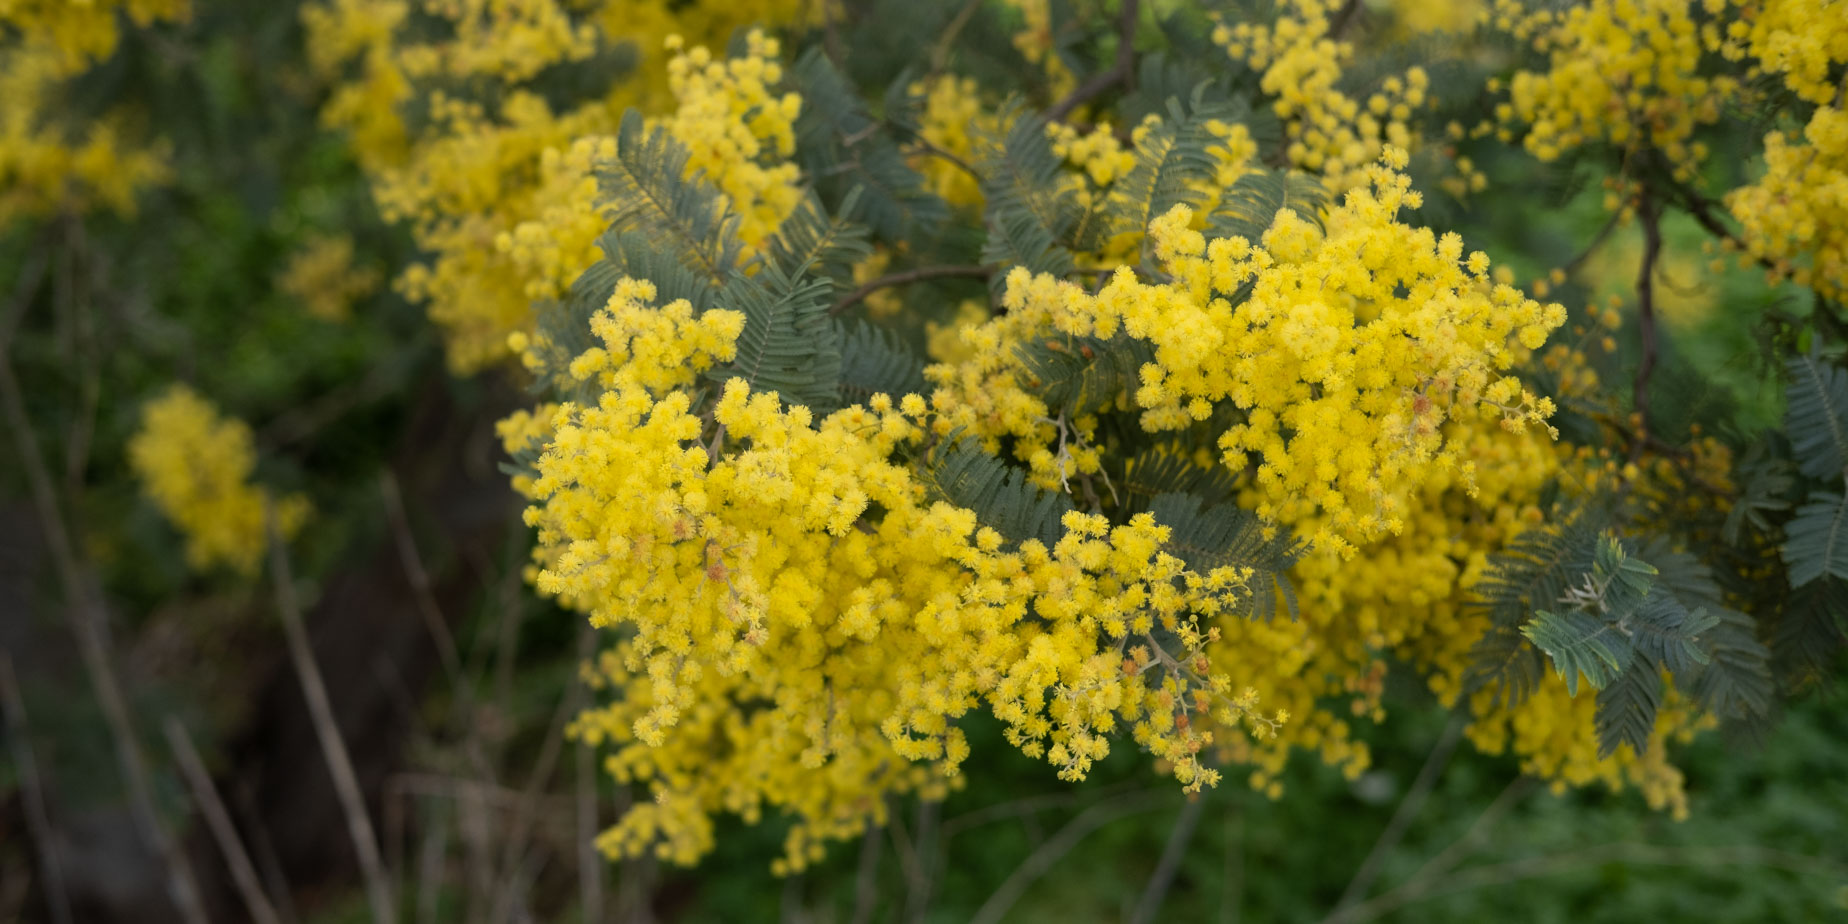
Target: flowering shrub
x=1148 y=386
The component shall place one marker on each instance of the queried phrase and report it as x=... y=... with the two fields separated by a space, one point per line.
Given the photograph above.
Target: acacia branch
x=1122 y=70
x=1651 y=216
x=916 y=274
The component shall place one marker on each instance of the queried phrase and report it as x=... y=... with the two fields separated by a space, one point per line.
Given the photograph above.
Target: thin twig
x=1510 y=796
x=321 y=713
x=590 y=864
x=32 y=795
x=85 y=614
x=23 y=290
x=1591 y=246
x=218 y=821
x=916 y=274
x=1122 y=70
x=1170 y=863
x=520 y=824
x=1343 y=18
x=1402 y=816
x=940 y=52
x=421 y=588
x=995 y=909
x=1650 y=215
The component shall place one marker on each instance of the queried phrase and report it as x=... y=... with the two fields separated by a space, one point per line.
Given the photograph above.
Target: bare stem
x=1401 y=817
x=321 y=712
x=1058 y=845
x=1650 y=215
x=218 y=821
x=917 y=274
x=1122 y=70
x=1170 y=863
x=32 y=795
x=85 y=615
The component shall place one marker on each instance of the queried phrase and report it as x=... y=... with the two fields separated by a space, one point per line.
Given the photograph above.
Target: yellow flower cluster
x=81 y=32
x=1626 y=72
x=759 y=557
x=1796 y=215
x=951 y=119
x=1351 y=351
x=499 y=193
x=321 y=276
x=195 y=466
x=1328 y=131
x=45 y=163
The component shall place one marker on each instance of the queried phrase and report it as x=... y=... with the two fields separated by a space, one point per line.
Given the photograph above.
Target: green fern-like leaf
x=1817 y=416
x=1580 y=644
x=1078 y=374
x=843 y=147
x=1503 y=660
x=1029 y=206
x=1168 y=470
x=1250 y=205
x=960 y=472
x=1736 y=681
x=810 y=240
x=1535 y=569
x=788 y=345
x=1626 y=708
x=1816 y=539
x=646 y=189
x=1016 y=238
x=1172 y=164
x=1808 y=632
x=1667 y=633
x=875 y=361
x=1230 y=536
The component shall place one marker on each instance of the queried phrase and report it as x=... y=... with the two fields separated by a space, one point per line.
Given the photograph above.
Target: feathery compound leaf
x=646 y=189
x=1535 y=569
x=958 y=471
x=1580 y=643
x=843 y=147
x=811 y=241
x=1817 y=417
x=788 y=345
x=1016 y=238
x=1626 y=709
x=1250 y=205
x=1023 y=184
x=1172 y=164
x=873 y=361
x=1665 y=632
x=1766 y=481
x=1079 y=374
x=1816 y=539
x=1503 y=659
x=1736 y=681
x=1230 y=536
x=1165 y=470
x=1625 y=579
x=1808 y=632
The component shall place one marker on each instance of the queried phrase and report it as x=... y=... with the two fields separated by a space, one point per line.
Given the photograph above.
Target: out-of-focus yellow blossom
x=46 y=164
x=79 y=33
x=321 y=276
x=1422 y=16
x=951 y=118
x=1327 y=131
x=1796 y=216
x=1626 y=72
x=1035 y=42
x=493 y=185
x=196 y=465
